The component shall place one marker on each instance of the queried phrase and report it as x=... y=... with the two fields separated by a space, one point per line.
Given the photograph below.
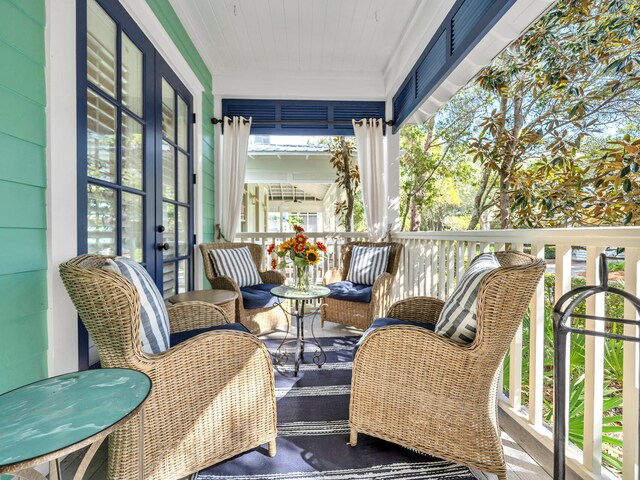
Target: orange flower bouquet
x=301 y=252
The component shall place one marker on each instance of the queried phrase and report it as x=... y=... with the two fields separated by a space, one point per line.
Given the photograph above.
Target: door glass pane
x=131 y=152
x=169 y=222
x=169 y=279
x=102 y=215
x=183 y=231
x=168 y=111
x=183 y=178
x=168 y=171
x=183 y=124
x=101 y=48
x=182 y=276
x=132 y=226
x=101 y=138
x=131 y=76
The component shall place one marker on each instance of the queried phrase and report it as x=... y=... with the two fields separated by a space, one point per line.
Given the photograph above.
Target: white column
x=392 y=172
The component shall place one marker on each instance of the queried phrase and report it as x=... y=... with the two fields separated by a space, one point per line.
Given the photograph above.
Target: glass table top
x=285 y=291
x=58 y=412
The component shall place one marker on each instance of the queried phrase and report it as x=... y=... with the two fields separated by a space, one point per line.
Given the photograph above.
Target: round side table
x=225 y=299
x=49 y=419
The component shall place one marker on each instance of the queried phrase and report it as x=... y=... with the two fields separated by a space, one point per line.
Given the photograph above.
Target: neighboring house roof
x=270 y=148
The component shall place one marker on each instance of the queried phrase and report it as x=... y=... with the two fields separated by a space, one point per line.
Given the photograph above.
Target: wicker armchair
x=428 y=393
x=212 y=397
x=359 y=314
x=258 y=320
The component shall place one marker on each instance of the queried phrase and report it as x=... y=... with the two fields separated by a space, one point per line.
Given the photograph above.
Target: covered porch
x=111 y=143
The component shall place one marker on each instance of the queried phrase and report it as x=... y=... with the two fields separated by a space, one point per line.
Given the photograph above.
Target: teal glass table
x=46 y=420
x=300 y=298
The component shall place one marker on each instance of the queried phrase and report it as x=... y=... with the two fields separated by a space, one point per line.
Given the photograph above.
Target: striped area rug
x=313 y=433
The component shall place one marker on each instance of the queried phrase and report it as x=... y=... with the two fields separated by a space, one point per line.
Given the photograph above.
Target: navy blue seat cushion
x=352 y=292
x=386 y=322
x=179 y=337
x=259 y=296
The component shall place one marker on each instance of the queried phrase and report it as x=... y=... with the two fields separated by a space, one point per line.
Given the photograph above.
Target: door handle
x=163 y=246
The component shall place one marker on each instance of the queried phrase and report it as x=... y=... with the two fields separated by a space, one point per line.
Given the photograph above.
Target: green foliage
x=342 y=151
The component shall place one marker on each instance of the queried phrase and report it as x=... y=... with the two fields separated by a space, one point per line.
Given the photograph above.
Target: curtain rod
x=216 y=121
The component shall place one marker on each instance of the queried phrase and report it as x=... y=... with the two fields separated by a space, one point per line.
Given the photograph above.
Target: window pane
x=131 y=152
x=131 y=76
x=183 y=231
x=168 y=111
x=169 y=279
x=132 y=226
x=183 y=178
x=101 y=138
x=102 y=215
x=183 y=276
x=101 y=48
x=168 y=171
x=169 y=222
x=183 y=124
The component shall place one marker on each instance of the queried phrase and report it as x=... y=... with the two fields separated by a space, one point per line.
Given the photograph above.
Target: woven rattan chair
x=418 y=389
x=212 y=396
x=258 y=320
x=360 y=314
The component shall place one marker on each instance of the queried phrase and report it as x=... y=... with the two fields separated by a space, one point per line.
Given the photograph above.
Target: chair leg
x=353 y=437
x=272 y=448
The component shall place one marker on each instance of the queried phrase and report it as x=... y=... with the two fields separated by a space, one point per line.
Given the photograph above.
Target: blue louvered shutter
x=316 y=112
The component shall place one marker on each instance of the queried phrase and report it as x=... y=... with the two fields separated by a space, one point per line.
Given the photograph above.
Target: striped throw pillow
x=154 y=319
x=457 y=320
x=367 y=264
x=237 y=264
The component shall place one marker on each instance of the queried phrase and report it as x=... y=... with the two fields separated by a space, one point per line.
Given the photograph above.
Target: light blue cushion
x=154 y=319
x=180 y=337
x=259 y=296
x=386 y=322
x=349 y=291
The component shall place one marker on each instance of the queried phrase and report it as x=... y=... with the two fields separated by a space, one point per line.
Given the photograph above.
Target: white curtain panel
x=235 y=143
x=371 y=162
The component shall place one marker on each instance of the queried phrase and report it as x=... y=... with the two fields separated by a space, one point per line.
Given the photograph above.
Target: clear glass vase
x=302 y=278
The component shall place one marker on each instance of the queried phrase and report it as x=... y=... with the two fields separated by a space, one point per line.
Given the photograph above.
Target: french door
x=135 y=168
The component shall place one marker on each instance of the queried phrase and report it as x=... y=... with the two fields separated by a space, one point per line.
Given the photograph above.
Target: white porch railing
x=433 y=262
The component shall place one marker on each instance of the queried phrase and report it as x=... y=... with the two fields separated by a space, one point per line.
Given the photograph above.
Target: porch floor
x=520 y=465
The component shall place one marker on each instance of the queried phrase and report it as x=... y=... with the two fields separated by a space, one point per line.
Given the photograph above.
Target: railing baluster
x=460 y=261
x=515 y=361
x=442 y=268
x=594 y=371
x=536 y=348
x=451 y=261
x=472 y=248
x=427 y=268
x=630 y=387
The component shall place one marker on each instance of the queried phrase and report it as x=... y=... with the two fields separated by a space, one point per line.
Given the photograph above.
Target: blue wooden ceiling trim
x=464 y=26
x=300 y=111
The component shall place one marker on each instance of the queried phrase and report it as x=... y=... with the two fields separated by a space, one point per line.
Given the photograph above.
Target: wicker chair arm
x=418 y=347
x=225 y=283
x=417 y=309
x=333 y=275
x=272 y=276
x=193 y=315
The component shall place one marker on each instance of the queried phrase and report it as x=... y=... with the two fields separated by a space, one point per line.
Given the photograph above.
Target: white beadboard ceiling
x=330 y=39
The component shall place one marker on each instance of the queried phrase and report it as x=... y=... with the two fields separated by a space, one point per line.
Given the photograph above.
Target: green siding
x=23 y=243
x=171 y=23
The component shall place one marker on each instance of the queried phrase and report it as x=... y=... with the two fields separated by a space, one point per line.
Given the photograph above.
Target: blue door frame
x=154 y=68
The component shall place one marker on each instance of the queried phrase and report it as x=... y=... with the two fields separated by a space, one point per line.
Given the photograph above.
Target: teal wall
x=23 y=243
x=167 y=16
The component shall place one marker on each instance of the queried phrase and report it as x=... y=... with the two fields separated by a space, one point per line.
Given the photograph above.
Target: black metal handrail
x=563 y=312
